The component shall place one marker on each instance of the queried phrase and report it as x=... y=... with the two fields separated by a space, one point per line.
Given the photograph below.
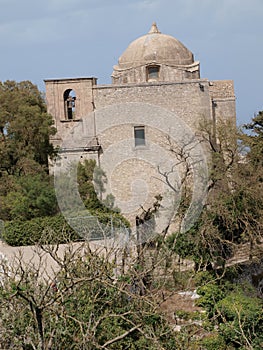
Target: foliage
x=28 y=232
x=84 y=307
x=54 y=228
x=189 y=246
x=214 y=341
x=224 y=222
x=91 y=182
x=241 y=320
x=25 y=128
x=27 y=196
x=85 y=182
x=235 y=311
x=254 y=139
x=232 y=214
x=91 y=178
x=210 y=294
x=28 y=205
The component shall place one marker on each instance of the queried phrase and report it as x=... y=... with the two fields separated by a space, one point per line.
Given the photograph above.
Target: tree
x=27 y=196
x=91 y=182
x=25 y=128
x=86 y=188
x=232 y=214
x=254 y=139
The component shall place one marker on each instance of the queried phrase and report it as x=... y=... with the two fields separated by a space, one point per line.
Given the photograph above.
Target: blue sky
x=74 y=38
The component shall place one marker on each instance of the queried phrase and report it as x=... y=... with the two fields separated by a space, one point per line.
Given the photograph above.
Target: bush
x=212 y=342
x=210 y=294
x=235 y=311
x=187 y=245
x=53 y=229
x=241 y=320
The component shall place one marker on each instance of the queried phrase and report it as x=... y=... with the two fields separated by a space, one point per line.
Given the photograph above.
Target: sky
x=46 y=39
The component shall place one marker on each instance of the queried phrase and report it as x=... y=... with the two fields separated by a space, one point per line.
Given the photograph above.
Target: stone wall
x=221 y=89
x=186 y=99
x=166 y=74
x=224 y=101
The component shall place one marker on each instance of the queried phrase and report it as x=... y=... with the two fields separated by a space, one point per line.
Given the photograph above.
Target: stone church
x=133 y=126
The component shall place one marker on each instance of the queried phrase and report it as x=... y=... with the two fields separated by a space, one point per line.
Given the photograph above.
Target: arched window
x=69 y=104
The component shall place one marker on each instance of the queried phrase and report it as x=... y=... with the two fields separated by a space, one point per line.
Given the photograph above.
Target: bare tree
x=74 y=298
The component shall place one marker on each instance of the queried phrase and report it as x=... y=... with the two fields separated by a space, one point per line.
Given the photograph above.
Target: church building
x=132 y=126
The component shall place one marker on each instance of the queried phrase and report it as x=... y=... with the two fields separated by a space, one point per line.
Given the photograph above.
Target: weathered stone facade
x=156 y=95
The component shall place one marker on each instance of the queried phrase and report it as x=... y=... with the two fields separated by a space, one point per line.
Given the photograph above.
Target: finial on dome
x=154 y=29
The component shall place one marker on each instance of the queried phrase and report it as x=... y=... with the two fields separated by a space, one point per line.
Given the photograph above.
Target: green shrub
x=53 y=229
x=212 y=342
x=241 y=320
x=210 y=294
x=236 y=313
x=27 y=197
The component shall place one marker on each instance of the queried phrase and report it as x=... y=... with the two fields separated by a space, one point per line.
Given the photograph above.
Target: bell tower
x=70 y=101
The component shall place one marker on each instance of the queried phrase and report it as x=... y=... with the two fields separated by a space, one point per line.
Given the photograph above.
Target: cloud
x=33 y=23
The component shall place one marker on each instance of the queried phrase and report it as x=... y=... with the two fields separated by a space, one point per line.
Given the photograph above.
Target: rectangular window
x=153 y=73
x=139 y=136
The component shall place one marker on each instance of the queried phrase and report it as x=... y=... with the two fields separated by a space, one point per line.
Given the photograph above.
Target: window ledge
x=70 y=120
x=140 y=148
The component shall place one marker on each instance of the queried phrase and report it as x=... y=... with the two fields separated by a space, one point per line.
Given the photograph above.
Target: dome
x=155 y=47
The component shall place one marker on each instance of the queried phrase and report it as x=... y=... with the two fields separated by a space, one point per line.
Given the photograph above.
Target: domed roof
x=155 y=47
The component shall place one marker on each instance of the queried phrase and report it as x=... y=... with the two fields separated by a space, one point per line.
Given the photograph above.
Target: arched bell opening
x=70 y=104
